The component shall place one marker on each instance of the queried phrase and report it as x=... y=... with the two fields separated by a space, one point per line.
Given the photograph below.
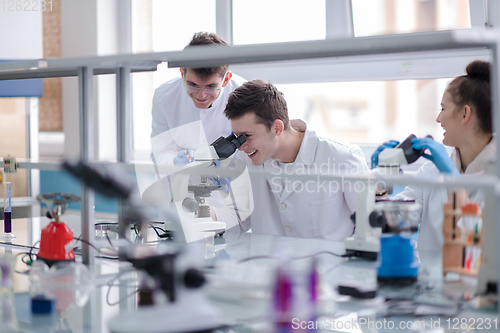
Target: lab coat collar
x=477 y=166
x=307 y=149
x=307 y=152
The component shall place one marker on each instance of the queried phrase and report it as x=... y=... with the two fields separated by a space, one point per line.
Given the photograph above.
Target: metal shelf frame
x=206 y=56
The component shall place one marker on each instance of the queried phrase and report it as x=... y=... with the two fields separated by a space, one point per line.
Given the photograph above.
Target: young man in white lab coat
x=188 y=111
x=283 y=205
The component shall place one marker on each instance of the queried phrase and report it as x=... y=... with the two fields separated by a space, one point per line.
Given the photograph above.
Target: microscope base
x=51 y=262
x=397 y=281
x=218 y=227
x=372 y=256
x=357 y=293
x=172 y=317
x=362 y=247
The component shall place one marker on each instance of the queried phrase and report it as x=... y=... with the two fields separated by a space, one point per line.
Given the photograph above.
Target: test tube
x=7 y=212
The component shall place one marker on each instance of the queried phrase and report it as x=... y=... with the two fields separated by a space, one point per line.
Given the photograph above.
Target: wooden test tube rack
x=454 y=245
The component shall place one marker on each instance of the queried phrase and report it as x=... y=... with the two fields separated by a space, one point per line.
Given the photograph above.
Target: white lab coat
x=307 y=209
x=432 y=199
x=179 y=125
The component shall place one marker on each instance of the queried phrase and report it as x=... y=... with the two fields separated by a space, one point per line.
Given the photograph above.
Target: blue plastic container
x=397 y=259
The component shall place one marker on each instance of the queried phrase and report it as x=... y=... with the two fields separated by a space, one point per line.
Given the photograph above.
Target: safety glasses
x=211 y=91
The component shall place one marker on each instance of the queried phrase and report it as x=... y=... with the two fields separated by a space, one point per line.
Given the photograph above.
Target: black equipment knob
x=194 y=278
x=377 y=219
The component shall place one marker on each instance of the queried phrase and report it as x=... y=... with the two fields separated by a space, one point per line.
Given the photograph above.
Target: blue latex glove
x=184 y=157
x=225 y=182
x=439 y=155
x=388 y=144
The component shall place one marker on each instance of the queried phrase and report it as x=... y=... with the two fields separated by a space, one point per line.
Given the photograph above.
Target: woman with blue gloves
x=466 y=119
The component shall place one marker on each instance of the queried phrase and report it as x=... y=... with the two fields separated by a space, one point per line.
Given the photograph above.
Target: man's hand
x=298 y=124
x=223 y=181
x=210 y=208
x=184 y=157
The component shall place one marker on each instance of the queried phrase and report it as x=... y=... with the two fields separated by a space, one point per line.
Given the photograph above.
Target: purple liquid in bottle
x=7 y=222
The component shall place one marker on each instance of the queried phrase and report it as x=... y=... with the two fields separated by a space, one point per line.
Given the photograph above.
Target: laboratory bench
x=239 y=287
x=240 y=270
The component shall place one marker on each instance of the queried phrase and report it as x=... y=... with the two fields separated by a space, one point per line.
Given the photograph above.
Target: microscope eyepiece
x=239 y=141
x=226 y=147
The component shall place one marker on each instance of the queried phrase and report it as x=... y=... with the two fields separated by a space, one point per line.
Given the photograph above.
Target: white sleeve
x=159 y=115
x=354 y=164
x=164 y=150
x=167 y=144
x=414 y=192
x=162 y=143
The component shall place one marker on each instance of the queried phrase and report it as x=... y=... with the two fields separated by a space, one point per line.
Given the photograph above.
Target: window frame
x=339 y=24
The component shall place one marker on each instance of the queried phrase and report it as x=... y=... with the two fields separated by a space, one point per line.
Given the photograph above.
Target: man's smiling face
x=203 y=98
x=260 y=144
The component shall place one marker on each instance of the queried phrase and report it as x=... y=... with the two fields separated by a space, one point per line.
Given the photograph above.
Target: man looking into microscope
x=295 y=208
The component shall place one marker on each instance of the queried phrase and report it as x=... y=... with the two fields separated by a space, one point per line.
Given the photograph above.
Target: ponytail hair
x=474 y=90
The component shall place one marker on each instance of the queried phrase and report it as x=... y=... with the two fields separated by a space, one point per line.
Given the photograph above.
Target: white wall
x=78 y=38
x=92 y=28
x=21 y=36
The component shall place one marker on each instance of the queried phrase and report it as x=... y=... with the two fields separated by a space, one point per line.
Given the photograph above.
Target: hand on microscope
x=388 y=144
x=184 y=157
x=222 y=181
x=438 y=154
x=210 y=208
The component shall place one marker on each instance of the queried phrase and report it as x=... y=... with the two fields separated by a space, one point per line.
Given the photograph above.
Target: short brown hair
x=261 y=98
x=206 y=38
x=474 y=90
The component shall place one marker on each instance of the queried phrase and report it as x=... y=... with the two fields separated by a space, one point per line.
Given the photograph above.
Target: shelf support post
x=123 y=128
x=86 y=112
